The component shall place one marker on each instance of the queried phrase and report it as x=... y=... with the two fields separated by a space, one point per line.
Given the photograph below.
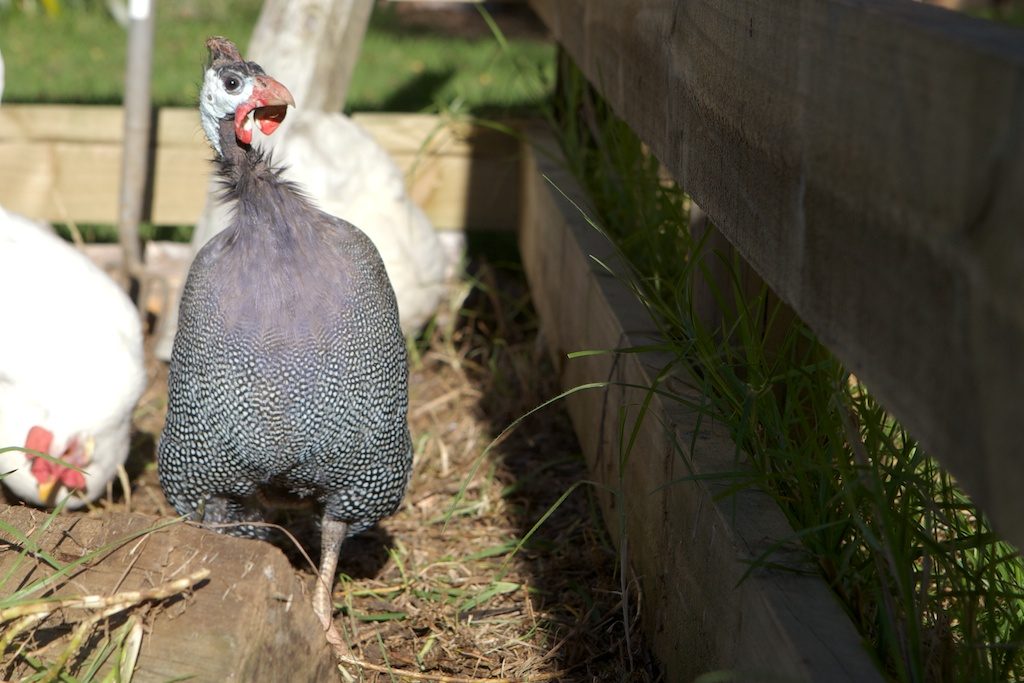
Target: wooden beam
x=61 y=163
x=690 y=544
x=867 y=158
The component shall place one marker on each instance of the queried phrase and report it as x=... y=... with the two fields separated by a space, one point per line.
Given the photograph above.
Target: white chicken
x=71 y=367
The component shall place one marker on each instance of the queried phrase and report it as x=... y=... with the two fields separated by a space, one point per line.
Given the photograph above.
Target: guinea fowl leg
x=332 y=533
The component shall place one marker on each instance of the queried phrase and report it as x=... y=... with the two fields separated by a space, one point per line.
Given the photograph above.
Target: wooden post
x=312 y=45
x=135 y=162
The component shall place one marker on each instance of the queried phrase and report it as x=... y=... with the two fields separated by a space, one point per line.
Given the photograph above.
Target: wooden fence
x=866 y=157
x=62 y=163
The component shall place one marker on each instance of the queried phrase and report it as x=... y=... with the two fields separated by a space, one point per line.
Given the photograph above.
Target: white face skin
x=221 y=95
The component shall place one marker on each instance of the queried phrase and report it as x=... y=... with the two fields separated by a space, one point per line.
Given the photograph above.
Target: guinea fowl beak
x=267 y=104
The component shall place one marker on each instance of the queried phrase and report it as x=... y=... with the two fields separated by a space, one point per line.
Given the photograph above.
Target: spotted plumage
x=288 y=379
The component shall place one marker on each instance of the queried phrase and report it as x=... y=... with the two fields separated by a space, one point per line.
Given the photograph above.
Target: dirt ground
x=455 y=587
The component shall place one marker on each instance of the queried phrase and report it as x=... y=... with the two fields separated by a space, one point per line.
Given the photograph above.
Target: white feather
x=350 y=175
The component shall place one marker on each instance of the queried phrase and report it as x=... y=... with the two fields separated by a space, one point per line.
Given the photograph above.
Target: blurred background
x=417 y=56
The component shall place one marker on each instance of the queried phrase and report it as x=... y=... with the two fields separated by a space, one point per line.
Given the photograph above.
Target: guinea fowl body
x=288 y=379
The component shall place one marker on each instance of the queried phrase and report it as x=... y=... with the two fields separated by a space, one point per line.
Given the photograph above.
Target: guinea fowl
x=339 y=164
x=288 y=376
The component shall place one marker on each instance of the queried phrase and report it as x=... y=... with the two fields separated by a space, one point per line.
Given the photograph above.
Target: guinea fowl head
x=239 y=91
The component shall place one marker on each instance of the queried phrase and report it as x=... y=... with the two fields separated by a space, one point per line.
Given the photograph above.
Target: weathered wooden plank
x=179 y=176
x=427 y=133
x=52 y=167
x=867 y=158
x=399 y=132
x=60 y=181
x=79 y=123
x=688 y=544
x=250 y=621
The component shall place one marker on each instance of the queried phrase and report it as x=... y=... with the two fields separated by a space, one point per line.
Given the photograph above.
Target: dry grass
x=454 y=587
x=455 y=596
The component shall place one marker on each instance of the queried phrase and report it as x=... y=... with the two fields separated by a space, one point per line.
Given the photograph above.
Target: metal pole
x=135 y=160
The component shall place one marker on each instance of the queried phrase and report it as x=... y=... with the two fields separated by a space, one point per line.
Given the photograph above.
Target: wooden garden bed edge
x=690 y=551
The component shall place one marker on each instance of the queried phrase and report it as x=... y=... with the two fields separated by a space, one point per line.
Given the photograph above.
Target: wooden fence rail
x=866 y=157
x=61 y=163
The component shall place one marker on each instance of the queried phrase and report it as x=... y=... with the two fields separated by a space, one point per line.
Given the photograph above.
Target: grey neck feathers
x=285 y=263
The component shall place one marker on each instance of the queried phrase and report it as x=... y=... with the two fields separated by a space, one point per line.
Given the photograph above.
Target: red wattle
x=72 y=479
x=40 y=439
x=244 y=136
x=42 y=469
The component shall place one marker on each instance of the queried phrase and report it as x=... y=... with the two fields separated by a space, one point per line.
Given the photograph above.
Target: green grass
x=103 y=233
x=933 y=591
x=1012 y=15
x=402 y=71
x=78 y=57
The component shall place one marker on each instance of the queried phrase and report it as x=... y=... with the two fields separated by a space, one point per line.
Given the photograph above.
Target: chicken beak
x=268 y=105
x=46 y=491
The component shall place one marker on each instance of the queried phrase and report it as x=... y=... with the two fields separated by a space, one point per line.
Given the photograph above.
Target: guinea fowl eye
x=232 y=84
